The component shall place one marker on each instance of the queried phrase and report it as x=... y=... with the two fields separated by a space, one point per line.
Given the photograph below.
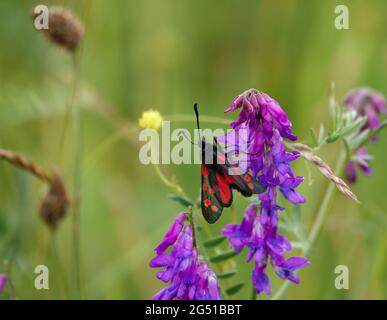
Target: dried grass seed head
x=64 y=27
x=54 y=203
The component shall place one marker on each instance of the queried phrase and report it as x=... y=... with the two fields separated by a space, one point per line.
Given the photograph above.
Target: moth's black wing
x=218 y=181
x=245 y=183
x=211 y=203
x=241 y=181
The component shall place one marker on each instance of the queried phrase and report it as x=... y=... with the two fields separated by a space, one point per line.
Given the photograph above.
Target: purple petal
x=3 y=281
x=164 y=260
x=261 y=281
x=295 y=263
x=292 y=196
x=279 y=244
x=288 y=267
x=238 y=235
x=350 y=171
x=168 y=293
x=172 y=234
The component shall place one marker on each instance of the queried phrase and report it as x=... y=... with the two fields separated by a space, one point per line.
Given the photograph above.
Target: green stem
x=192 y=223
x=77 y=179
x=107 y=143
x=253 y=294
x=170 y=183
x=325 y=204
x=319 y=220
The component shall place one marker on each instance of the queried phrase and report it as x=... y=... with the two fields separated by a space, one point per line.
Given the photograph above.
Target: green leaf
x=226 y=275
x=321 y=135
x=214 y=242
x=223 y=256
x=332 y=101
x=332 y=137
x=359 y=139
x=353 y=127
x=234 y=289
x=347 y=147
x=183 y=201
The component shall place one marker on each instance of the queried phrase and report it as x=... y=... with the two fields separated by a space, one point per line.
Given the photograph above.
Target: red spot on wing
x=204 y=171
x=247 y=178
x=214 y=208
x=204 y=187
x=224 y=188
x=206 y=202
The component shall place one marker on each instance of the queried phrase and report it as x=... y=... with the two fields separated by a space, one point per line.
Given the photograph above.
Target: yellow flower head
x=151 y=119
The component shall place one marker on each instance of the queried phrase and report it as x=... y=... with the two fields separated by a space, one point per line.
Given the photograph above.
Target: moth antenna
x=197 y=119
x=183 y=133
x=240 y=151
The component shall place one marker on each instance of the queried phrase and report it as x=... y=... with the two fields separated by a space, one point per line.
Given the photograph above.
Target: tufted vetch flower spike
x=368 y=103
x=188 y=278
x=268 y=126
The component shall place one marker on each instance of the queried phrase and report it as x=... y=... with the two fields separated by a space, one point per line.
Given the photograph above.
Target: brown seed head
x=54 y=203
x=64 y=27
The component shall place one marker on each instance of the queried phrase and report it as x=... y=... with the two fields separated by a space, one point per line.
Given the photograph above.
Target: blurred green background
x=165 y=55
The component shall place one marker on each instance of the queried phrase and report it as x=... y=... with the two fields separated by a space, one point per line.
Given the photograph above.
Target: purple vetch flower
x=285 y=270
x=172 y=234
x=267 y=126
x=362 y=164
x=188 y=278
x=368 y=103
x=239 y=235
x=266 y=245
x=3 y=281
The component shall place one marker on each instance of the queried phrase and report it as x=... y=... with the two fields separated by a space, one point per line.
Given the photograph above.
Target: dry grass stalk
x=54 y=203
x=25 y=164
x=325 y=169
